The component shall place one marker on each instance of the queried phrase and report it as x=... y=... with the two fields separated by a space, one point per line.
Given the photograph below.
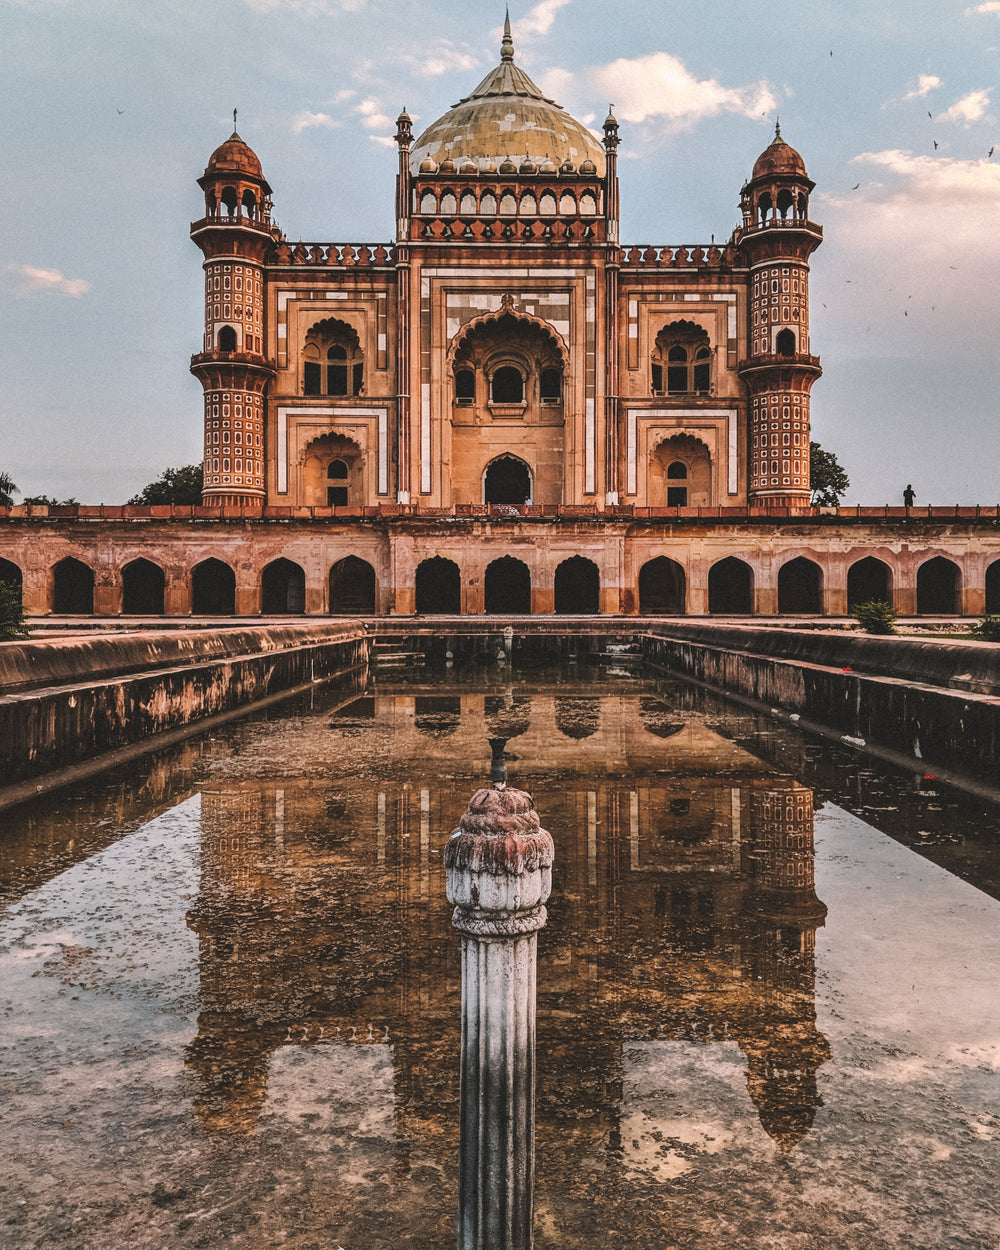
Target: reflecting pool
x=767 y=989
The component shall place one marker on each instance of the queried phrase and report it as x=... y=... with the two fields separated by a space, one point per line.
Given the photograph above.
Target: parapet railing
x=688 y=256
x=497 y=512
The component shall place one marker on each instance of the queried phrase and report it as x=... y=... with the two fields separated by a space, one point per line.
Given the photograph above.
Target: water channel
x=767 y=990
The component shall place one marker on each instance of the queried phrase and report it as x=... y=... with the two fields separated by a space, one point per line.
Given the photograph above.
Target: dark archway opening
x=508 y=481
x=213 y=589
x=283 y=588
x=661 y=588
x=730 y=587
x=73 y=588
x=143 y=585
x=508 y=587
x=939 y=582
x=868 y=580
x=800 y=587
x=578 y=587
x=439 y=587
x=10 y=575
x=352 y=588
x=992 y=588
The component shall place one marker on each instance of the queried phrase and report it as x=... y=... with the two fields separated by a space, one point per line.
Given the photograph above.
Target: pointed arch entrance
x=800 y=587
x=508 y=588
x=578 y=587
x=213 y=589
x=143 y=585
x=730 y=587
x=73 y=588
x=507 y=480
x=352 y=588
x=438 y=587
x=283 y=588
x=661 y=588
x=869 y=580
x=939 y=588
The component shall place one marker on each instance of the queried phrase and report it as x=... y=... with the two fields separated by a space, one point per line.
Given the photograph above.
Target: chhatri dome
x=779 y=158
x=507 y=117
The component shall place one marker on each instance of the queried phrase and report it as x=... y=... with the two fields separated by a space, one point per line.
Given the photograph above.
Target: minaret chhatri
x=235 y=236
x=777 y=239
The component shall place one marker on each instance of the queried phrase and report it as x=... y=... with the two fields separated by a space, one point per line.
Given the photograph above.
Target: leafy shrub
x=988 y=629
x=11 y=612
x=875 y=617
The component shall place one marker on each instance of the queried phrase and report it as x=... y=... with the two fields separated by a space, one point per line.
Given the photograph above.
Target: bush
x=11 y=612
x=875 y=617
x=988 y=629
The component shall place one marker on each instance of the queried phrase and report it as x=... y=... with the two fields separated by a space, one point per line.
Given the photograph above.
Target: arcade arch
x=213 y=589
x=992 y=605
x=507 y=588
x=578 y=587
x=939 y=588
x=283 y=588
x=352 y=588
x=800 y=587
x=868 y=580
x=438 y=587
x=143 y=588
x=661 y=588
x=507 y=480
x=730 y=587
x=72 y=588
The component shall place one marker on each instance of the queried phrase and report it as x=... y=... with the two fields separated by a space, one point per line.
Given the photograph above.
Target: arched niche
x=662 y=587
x=72 y=588
x=333 y=472
x=800 y=587
x=939 y=588
x=283 y=588
x=213 y=589
x=578 y=587
x=868 y=580
x=352 y=588
x=143 y=588
x=438 y=587
x=507 y=587
x=730 y=587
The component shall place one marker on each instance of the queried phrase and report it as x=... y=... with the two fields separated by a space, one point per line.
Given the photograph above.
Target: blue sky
x=112 y=109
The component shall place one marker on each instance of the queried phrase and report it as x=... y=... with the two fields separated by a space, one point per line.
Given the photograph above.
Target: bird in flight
x=855 y=187
x=935 y=145
x=990 y=152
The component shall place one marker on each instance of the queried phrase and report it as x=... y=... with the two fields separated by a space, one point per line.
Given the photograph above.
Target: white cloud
x=372 y=118
x=303 y=121
x=926 y=181
x=660 y=85
x=29 y=280
x=925 y=84
x=971 y=108
x=539 y=20
x=991 y=6
x=442 y=57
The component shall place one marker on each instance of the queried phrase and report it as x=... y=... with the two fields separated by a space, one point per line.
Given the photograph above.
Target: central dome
x=507 y=116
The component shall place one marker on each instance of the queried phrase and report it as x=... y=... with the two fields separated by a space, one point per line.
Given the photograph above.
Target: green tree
x=47 y=499
x=181 y=485
x=827 y=479
x=11 y=612
x=7 y=490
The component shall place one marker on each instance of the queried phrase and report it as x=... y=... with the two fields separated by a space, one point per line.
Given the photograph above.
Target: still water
x=767 y=990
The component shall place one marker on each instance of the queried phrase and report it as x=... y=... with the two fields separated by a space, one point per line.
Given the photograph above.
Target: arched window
x=428 y=204
x=249 y=204
x=488 y=205
x=229 y=201
x=468 y=204
x=333 y=362
x=567 y=205
x=786 y=202
x=449 y=205
x=547 y=204
x=508 y=587
x=784 y=343
x=528 y=205
x=508 y=205
x=677 y=496
x=227 y=339
x=465 y=386
x=682 y=360
x=507 y=481
x=507 y=386
x=588 y=205
x=337 y=474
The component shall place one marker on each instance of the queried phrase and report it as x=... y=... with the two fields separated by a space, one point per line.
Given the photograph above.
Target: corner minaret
x=235 y=236
x=777 y=239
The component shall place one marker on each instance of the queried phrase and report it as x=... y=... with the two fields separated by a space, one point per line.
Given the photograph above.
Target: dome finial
x=777 y=127
x=507 y=44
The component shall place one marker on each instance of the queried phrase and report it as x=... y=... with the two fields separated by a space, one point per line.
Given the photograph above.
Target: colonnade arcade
x=511 y=579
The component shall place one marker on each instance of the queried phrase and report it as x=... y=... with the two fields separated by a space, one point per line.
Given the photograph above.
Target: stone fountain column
x=499 y=866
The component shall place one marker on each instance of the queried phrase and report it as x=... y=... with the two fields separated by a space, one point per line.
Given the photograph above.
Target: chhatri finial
x=777 y=127
x=234 y=121
x=507 y=44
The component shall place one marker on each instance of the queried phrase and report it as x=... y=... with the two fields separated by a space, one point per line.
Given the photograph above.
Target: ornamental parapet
x=356 y=255
x=501 y=230
x=687 y=256
x=799 y=360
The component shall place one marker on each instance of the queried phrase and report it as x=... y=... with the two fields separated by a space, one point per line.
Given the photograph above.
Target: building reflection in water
x=683 y=909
